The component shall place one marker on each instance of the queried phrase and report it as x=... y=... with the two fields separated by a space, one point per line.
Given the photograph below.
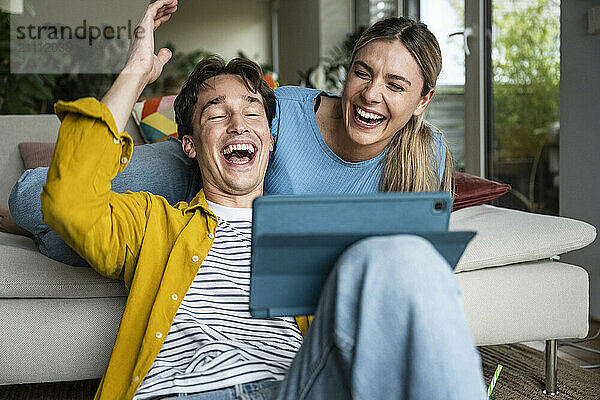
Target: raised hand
x=142 y=66
x=141 y=57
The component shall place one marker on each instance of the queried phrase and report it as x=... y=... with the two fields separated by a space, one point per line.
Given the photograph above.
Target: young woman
x=373 y=137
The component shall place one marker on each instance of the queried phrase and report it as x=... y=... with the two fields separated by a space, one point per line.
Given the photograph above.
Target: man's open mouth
x=241 y=153
x=367 y=119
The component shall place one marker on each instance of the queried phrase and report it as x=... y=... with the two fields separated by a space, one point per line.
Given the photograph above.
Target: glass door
x=446 y=19
x=525 y=91
x=462 y=104
x=497 y=97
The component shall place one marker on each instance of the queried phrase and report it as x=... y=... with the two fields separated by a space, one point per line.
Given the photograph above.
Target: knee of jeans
x=407 y=259
x=24 y=199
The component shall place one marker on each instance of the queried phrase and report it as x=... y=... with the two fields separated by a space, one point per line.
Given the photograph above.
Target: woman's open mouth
x=365 y=118
x=240 y=153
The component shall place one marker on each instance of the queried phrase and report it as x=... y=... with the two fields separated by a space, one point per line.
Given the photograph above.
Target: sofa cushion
x=25 y=273
x=529 y=301
x=503 y=237
x=507 y=236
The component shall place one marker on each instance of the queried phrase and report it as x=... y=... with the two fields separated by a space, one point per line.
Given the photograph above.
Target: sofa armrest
x=506 y=236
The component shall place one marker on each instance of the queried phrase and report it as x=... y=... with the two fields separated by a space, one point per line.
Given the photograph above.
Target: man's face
x=231 y=138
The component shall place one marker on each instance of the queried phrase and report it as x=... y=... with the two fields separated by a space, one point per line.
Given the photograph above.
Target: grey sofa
x=58 y=323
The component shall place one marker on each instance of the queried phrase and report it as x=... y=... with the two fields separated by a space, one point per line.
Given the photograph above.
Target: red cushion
x=36 y=154
x=471 y=190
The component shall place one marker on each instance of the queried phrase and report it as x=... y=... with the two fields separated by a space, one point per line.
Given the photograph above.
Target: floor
x=575 y=355
x=85 y=389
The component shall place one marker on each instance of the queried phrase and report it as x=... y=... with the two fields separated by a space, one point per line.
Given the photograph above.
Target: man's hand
x=141 y=58
x=143 y=66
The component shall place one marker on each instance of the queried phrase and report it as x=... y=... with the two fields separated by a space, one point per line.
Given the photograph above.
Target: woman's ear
x=424 y=102
x=187 y=145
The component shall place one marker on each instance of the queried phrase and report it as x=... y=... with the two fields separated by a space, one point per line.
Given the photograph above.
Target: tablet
x=296 y=240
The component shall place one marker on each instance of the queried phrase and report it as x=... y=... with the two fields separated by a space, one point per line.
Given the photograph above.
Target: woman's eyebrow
x=388 y=76
x=398 y=77
x=364 y=65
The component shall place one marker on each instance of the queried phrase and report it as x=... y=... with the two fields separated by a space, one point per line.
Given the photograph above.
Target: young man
x=186 y=330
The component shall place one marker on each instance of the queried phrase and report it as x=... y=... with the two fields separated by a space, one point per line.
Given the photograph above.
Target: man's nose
x=237 y=124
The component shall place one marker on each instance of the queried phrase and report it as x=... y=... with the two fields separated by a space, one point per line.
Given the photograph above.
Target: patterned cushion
x=156 y=118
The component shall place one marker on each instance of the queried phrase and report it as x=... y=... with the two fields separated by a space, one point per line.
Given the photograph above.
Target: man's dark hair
x=212 y=66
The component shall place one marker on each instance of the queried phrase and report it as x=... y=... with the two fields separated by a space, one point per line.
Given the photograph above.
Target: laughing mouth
x=366 y=118
x=240 y=153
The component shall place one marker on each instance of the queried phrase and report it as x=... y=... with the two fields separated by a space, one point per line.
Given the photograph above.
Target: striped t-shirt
x=213 y=342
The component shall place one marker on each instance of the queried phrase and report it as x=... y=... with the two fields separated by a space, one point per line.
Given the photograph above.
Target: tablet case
x=297 y=239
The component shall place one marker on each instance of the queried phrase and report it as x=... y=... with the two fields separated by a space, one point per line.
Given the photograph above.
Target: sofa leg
x=551 y=367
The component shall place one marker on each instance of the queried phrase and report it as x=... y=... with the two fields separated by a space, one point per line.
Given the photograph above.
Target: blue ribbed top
x=302 y=162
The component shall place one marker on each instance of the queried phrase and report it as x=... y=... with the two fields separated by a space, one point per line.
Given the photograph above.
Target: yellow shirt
x=138 y=237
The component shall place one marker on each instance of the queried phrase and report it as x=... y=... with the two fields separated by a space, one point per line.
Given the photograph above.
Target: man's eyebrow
x=215 y=101
x=388 y=76
x=221 y=100
x=252 y=99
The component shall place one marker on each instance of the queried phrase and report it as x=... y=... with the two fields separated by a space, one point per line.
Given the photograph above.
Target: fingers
x=163 y=19
x=165 y=6
x=165 y=11
x=164 y=14
x=158 y=11
x=162 y=8
x=164 y=55
x=163 y=3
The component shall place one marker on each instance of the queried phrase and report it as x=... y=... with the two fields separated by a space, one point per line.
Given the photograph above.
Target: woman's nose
x=372 y=92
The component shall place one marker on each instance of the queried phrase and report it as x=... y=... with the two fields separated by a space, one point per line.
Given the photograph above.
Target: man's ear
x=187 y=145
x=424 y=102
x=270 y=140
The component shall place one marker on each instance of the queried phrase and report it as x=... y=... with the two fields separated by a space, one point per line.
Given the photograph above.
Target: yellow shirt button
x=135 y=379
x=174 y=296
x=211 y=235
x=116 y=140
x=195 y=258
x=124 y=160
x=158 y=335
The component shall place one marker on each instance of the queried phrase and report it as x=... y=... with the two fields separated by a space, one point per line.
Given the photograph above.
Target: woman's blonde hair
x=411 y=162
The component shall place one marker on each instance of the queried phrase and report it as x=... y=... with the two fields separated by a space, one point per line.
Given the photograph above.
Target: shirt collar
x=199 y=201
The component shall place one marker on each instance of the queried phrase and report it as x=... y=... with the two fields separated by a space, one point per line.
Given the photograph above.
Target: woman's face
x=382 y=92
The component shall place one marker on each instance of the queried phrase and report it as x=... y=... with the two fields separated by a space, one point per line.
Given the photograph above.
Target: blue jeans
x=389 y=325
x=265 y=390
x=178 y=181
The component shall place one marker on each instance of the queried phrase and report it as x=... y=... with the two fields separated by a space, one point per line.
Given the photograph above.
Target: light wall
x=308 y=31
x=580 y=133
x=336 y=19
x=299 y=32
x=222 y=27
